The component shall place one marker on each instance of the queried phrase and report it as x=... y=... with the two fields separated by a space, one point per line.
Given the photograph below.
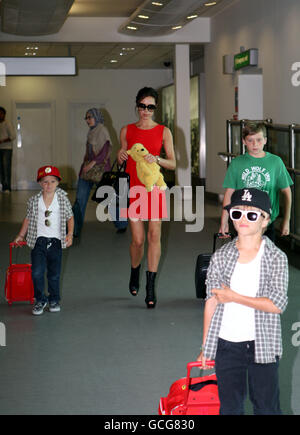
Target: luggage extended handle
x=190 y=366
x=14 y=245
x=217 y=236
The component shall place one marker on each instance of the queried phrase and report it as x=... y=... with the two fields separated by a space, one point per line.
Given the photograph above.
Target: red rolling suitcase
x=18 y=282
x=192 y=396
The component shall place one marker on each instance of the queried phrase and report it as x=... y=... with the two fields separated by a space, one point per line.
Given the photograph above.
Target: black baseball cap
x=251 y=197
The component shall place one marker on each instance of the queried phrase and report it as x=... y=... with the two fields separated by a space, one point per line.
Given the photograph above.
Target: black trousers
x=236 y=371
x=5 y=168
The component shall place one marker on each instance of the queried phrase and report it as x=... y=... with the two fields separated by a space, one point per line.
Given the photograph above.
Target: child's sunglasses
x=150 y=107
x=47 y=214
x=251 y=215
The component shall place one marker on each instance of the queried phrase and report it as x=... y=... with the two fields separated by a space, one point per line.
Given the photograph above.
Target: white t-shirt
x=238 y=322
x=53 y=230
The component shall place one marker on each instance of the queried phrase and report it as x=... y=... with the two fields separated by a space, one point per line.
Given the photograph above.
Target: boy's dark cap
x=251 y=197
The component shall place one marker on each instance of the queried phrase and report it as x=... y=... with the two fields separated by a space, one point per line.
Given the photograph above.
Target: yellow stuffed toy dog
x=148 y=173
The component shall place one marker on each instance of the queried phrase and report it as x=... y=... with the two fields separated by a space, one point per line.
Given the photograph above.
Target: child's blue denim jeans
x=46 y=256
x=84 y=188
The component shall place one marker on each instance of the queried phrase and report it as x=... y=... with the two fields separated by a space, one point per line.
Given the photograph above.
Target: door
x=34 y=145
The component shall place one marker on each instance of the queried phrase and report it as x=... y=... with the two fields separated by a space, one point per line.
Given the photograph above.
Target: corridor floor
x=105 y=353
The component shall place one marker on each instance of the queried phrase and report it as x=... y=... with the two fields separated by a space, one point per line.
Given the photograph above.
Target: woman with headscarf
x=98 y=150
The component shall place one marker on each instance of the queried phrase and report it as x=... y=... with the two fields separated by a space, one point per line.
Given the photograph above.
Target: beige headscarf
x=98 y=135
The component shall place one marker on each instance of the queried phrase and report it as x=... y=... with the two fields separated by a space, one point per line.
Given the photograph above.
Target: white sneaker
x=38 y=308
x=54 y=307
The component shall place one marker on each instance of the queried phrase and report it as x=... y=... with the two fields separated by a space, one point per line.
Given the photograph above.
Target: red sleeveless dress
x=142 y=204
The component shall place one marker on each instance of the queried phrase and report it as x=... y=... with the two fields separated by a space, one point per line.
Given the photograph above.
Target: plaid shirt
x=273 y=285
x=66 y=213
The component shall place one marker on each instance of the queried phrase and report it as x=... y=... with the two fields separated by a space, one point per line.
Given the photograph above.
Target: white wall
x=272 y=26
x=114 y=90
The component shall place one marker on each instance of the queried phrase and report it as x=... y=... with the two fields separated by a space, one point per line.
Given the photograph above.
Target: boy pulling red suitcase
x=192 y=396
x=18 y=282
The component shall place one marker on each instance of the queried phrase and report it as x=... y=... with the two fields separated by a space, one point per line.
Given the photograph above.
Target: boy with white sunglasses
x=247 y=283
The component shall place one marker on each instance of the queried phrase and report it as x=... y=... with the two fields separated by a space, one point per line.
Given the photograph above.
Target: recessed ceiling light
x=157 y=4
x=210 y=4
x=113 y=61
x=176 y=27
x=131 y=28
x=144 y=17
x=192 y=16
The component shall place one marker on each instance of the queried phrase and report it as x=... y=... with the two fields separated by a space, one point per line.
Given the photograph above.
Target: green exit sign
x=246 y=58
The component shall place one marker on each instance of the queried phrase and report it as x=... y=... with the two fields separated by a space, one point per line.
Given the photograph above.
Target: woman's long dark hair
x=146 y=92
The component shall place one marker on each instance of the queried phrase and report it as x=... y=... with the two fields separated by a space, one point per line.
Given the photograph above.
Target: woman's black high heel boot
x=150 y=292
x=134 y=283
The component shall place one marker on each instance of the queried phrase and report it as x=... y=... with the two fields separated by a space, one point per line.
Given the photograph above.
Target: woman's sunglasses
x=47 y=214
x=251 y=215
x=150 y=107
x=89 y=117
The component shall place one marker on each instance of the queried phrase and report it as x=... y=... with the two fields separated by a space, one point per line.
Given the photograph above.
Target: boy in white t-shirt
x=49 y=213
x=247 y=283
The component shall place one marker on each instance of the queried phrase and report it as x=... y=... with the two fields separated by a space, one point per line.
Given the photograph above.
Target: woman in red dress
x=153 y=136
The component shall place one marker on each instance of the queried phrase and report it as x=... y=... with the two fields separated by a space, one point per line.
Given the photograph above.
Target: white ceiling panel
x=99 y=55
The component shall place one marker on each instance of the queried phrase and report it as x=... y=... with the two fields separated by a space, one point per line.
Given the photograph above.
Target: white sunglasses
x=251 y=215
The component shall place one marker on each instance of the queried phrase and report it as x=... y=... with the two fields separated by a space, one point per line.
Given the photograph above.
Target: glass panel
x=278 y=143
x=236 y=134
x=297 y=150
x=297 y=205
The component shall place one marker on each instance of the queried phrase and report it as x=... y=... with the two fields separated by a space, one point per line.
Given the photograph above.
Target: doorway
x=34 y=144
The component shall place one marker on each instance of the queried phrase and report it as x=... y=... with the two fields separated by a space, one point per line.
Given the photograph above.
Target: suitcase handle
x=217 y=236
x=190 y=366
x=14 y=245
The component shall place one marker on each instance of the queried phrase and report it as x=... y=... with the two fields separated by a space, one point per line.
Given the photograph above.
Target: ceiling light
x=157 y=4
x=176 y=27
x=144 y=17
x=113 y=61
x=210 y=4
x=131 y=28
x=192 y=16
